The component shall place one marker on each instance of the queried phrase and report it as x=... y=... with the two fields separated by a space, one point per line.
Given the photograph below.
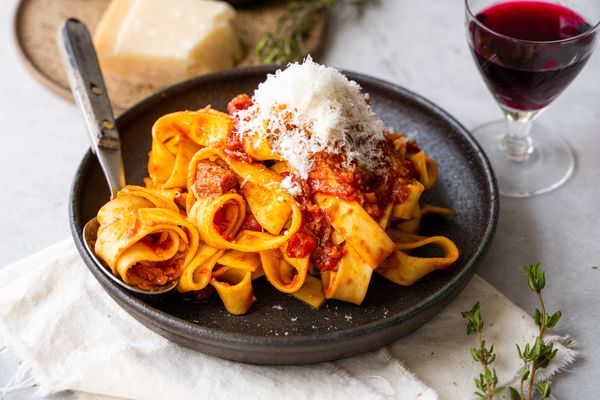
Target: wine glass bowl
x=528 y=52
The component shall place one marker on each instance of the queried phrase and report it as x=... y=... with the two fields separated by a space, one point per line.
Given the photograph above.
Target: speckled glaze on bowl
x=280 y=329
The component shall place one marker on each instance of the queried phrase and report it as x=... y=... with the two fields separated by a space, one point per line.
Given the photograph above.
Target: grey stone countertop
x=417 y=44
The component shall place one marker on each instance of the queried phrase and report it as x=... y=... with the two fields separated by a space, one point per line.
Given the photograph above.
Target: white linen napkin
x=71 y=336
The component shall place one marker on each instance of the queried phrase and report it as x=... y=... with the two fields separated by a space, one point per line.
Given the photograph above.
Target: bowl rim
x=234 y=340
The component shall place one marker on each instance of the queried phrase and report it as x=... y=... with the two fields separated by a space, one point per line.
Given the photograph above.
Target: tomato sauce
x=251 y=224
x=300 y=245
x=157 y=274
x=328 y=257
x=220 y=222
x=234 y=144
x=238 y=103
x=373 y=190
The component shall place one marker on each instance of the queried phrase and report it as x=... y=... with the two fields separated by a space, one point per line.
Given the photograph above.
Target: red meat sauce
x=220 y=222
x=238 y=103
x=328 y=176
x=214 y=180
x=156 y=273
x=234 y=142
x=315 y=238
x=373 y=192
x=251 y=224
x=151 y=273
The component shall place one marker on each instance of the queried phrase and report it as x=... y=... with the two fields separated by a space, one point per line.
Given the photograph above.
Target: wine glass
x=528 y=52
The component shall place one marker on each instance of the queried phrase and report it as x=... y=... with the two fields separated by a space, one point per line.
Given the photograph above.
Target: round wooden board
x=36 y=25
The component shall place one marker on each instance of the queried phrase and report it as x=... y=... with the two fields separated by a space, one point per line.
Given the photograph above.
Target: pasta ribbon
x=267 y=207
x=408 y=208
x=175 y=139
x=357 y=227
x=231 y=207
x=384 y=221
x=143 y=238
x=286 y=274
x=131 y=198
x=311 y=292
x=351 y=281
x=198 y=273
x=425 y=169
x=412 y=225
x=404 y=269
x=259 y=148
x=233 y=280
x=218 y=219
x=235 y=293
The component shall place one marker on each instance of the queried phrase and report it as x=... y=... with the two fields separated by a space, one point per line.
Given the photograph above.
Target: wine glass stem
x=516 y=143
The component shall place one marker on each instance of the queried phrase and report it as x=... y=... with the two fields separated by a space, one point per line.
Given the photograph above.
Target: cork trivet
x=36 y=25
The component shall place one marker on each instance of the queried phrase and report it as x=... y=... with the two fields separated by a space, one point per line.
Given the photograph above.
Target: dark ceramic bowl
x=280 y=329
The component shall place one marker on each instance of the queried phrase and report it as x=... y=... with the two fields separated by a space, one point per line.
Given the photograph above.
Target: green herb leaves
x=549 y=321
x=286 y=43
x=474 y=321
x=536 y=279
x=535 y=356
x=487 y=381
x=539 y=354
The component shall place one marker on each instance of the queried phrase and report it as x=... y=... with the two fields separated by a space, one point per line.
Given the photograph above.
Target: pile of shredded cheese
x=310 y=108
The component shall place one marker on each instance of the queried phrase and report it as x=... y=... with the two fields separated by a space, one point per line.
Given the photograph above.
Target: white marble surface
x=418 y=44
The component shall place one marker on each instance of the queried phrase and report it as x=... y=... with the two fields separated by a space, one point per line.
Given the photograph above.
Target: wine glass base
x=549 y=165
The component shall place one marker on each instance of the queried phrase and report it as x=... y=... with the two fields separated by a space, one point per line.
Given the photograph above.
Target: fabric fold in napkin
x=71 y=335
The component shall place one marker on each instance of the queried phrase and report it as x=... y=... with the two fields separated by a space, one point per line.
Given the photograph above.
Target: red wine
x=529 y=73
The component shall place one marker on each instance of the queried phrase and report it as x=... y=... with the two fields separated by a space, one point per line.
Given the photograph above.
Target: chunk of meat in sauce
x=300 y=245
x=239 y=102
x=327 y=257
x=315 y=233
x=158 y=274
x=328 y=177
x=251 y=224
x=212 y=179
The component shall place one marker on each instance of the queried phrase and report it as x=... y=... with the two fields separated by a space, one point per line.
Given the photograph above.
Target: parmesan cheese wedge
x=163 y=42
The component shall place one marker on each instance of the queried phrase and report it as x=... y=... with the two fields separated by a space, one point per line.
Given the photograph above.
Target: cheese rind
x=163 y=42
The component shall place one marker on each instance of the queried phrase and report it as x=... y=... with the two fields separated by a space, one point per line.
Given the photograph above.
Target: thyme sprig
x=535 y=356
x=538 y=355
x=287 y=42
x=487 y=381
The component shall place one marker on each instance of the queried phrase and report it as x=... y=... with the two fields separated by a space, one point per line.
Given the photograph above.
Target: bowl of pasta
x=305 y=214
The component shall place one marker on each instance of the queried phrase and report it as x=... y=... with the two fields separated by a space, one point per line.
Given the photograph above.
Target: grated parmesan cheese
x=310 y=108
x=291 y=186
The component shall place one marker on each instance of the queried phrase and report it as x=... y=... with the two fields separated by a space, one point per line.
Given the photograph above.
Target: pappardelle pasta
x=300 y=184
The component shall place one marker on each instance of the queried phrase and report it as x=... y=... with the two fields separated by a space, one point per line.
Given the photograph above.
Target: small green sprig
x=535 y=356
x=538 y=355
x=487 y=381
x=287 y=42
